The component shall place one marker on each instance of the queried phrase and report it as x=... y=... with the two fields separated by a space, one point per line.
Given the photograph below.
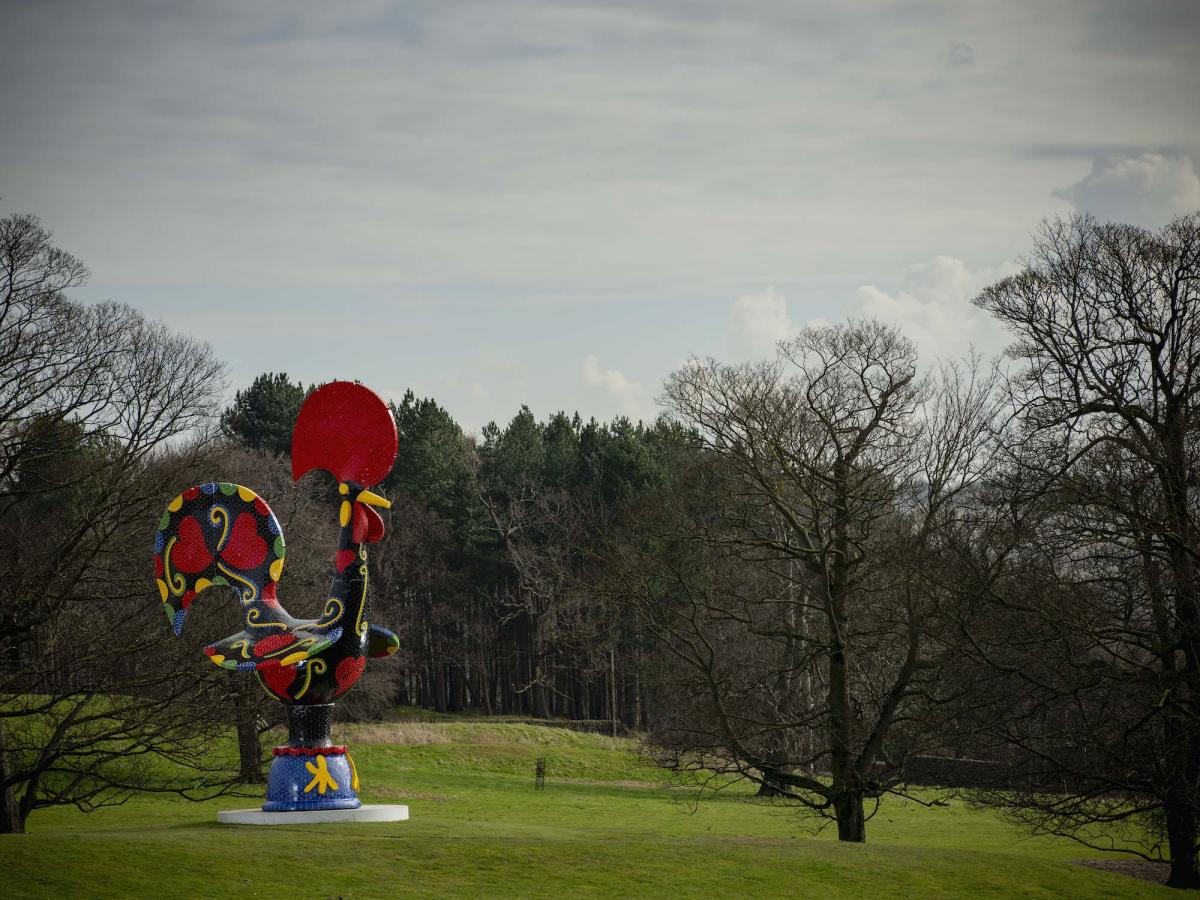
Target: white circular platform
x=371 y=812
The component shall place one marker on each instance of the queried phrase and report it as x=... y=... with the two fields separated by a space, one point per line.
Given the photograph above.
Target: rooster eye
x=343 y=488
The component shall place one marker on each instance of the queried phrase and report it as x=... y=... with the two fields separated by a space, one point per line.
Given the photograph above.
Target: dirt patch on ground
x=1131 y=866
x=408 y=733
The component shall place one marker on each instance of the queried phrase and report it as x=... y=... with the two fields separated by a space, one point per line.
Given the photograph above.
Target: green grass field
x=607 y=824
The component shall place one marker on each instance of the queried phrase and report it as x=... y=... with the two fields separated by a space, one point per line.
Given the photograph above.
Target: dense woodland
x=819 y=572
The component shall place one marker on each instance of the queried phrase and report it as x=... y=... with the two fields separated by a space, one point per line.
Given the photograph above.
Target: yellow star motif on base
x=321 y=779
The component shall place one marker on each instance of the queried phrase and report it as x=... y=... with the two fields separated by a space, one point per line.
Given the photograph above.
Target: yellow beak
x=372 y=500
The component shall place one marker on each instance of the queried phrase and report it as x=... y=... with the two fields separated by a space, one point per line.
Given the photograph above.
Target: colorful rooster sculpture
x=223 y=534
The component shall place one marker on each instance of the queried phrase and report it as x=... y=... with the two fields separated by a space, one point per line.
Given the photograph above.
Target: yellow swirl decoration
x=249 y=589
x=313 y=664
x=177 y=582
x=330 y=618
x=360 y=627
x=294 y=652
x=223 y=520
x=243 y=645
x=253 y=615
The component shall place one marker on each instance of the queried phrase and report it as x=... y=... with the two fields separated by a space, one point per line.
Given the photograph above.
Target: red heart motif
x=273 y=643
x=348 y=671
x=277 y=678
x=344 y=558
x=190 y=553
x=245 y=549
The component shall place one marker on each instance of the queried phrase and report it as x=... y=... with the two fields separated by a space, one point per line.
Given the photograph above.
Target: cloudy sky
x=557 y=203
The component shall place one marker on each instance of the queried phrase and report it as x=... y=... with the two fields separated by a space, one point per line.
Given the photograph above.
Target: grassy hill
x=607 y=824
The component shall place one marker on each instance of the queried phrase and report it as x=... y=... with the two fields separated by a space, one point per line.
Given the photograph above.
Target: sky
x=556 y=204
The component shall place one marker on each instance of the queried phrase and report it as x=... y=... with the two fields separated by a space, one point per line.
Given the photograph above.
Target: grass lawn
x=607 y=824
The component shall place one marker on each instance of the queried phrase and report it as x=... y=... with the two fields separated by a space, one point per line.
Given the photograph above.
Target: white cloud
x=631 y=397
x=757 y=323
x=932 y=306
x=1147 y=190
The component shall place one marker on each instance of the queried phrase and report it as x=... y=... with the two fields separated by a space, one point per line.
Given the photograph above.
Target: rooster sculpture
x=224 y=534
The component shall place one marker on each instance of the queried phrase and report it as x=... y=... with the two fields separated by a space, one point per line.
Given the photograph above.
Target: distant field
x=607 y=824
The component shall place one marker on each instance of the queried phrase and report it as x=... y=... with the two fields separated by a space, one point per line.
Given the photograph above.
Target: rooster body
x=223 y=534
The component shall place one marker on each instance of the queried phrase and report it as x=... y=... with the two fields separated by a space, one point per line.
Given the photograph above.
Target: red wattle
x=368 y=525
x=359 y=524
x=374 y=526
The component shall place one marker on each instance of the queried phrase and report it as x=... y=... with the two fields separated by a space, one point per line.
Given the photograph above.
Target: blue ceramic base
x=301 y=783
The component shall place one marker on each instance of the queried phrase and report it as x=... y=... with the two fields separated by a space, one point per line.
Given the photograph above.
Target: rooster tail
x=218 y=534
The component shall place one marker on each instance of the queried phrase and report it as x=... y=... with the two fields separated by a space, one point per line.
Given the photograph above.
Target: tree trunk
x=485 y=690
x=769 y=789
x=1181 y=728
x=1181 y=837
x=848 y=798
x=851 y=822
x=249 y=748
x=612 y=690
x=439 y=685
x=537 y=649
x=11 y=820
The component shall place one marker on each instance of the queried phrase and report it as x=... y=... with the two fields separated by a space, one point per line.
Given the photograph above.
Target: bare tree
x=1101 y=512
x=90 y=397
x=802 y=620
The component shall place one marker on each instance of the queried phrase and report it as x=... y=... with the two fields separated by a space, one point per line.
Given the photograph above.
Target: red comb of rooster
x=347 y=430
